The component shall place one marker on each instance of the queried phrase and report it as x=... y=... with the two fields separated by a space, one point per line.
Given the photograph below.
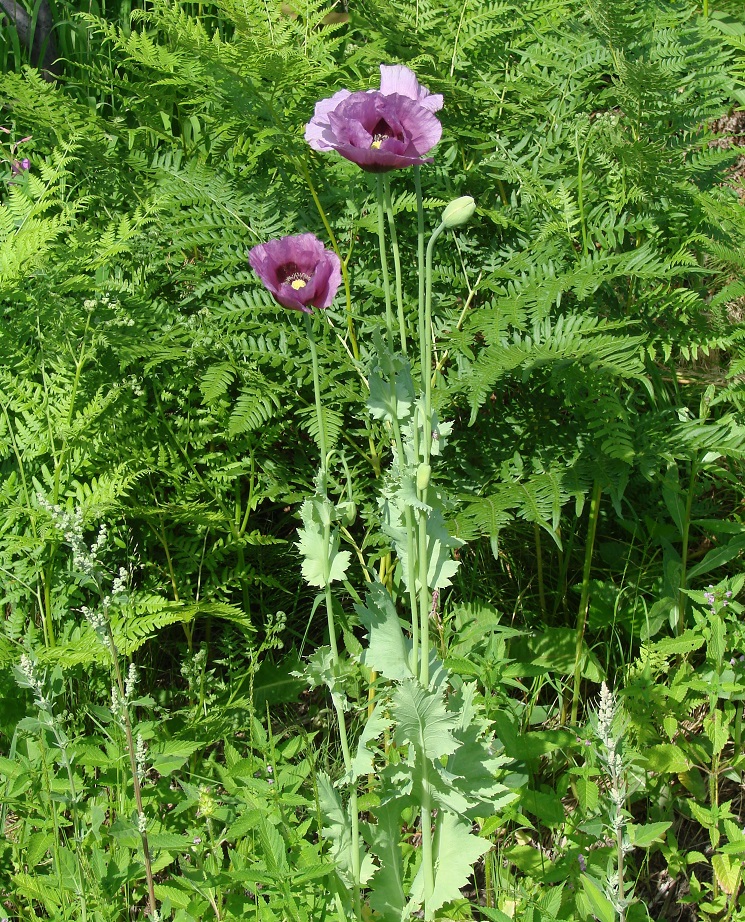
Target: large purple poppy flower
x=299 y=271
x=379 y=130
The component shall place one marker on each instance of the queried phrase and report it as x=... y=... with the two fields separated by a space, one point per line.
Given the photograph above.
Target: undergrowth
x=158 y=420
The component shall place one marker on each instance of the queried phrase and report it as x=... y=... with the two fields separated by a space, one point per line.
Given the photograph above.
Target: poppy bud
x=347 y=512
x=422 y=476
x=459 y=211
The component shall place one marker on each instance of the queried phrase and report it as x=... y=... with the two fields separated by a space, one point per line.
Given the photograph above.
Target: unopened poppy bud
x=347 y=512
x=459 y=211
x=422 y=476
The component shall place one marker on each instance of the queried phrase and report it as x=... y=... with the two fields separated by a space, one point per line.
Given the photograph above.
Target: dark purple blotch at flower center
x=290 y=274
x=382 y=132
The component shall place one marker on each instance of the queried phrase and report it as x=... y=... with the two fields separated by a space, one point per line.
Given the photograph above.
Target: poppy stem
x=384 y=259
x=335 y=246
x=317 y=390
x=396 y=260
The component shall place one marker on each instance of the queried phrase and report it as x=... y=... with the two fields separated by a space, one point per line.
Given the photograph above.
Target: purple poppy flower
x=379 y=130
x=299 y=271
x=18 y=166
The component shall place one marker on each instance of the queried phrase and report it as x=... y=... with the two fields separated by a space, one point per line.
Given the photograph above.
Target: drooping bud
x=459 y=211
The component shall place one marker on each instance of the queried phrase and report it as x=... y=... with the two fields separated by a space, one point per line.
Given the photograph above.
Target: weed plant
x=166 y=428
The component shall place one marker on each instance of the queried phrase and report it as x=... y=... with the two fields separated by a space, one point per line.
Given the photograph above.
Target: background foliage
x=589 y=349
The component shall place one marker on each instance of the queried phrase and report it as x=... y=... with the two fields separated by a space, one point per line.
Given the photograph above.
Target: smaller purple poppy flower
x=379 y=130
x=19 y=166
x=298 y=271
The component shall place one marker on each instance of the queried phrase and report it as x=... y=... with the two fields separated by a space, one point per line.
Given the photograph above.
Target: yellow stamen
x=297 y=284
x=376 y=144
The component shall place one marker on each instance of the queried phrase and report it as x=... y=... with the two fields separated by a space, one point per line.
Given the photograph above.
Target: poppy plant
x=298 y=271
x=379 y=130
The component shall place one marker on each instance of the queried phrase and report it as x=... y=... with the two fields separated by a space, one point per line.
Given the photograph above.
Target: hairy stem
x=684 y=548
x=152 y=904
x=584 y=602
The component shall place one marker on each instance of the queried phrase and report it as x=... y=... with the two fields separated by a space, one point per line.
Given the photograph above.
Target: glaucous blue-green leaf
x=320 y=670
x=363 y=759
x=455 y=851
x=337 y=827
x=323 y=562
x=423 y=721
x=387 y=895
x=387 y=650
x=473 y=765
x=440 y=543
x=391 y=397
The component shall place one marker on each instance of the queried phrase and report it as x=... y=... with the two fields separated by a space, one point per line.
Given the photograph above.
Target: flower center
x=381 y=132
x=293 y=276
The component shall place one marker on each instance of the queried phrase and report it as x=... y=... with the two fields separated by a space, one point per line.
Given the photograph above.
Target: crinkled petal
x=316 y=128
x=379 y=161
x=400 y=80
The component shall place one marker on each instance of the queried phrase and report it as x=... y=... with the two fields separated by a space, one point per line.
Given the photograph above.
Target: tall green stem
x=344 y=272
x=335 y=695
x=419 y=232
x=427 y=856
x=684 y=548
x=584 y=601
x=411 y=559
x=426 y=345
x=317 y=390
x=396 y=261
x=152 y=904
x=344 y=740
x=539 y=567
x=384 y=259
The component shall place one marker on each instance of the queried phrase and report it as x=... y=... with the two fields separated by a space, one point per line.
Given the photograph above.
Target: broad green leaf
x=717 y=557
x=388 y=650
x=666 y=757
x=673 y=496
x=471 y=769
x=644 y=836
x=600 y=905
x=440 y=545
x=728 y=872
x=169 y=756
x=337 y=827
x=547 y=807
x=717 y=729
x=550 y=902
x=588 y=794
